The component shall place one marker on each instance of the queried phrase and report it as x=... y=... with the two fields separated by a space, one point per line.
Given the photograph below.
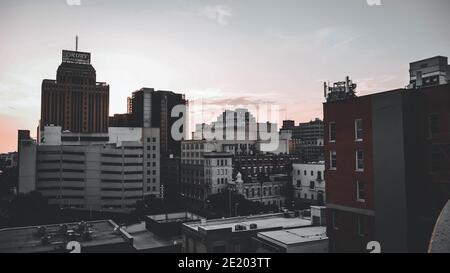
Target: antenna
x=76 y=43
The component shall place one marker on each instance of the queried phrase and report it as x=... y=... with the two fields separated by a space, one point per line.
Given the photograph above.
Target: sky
x=220 y=54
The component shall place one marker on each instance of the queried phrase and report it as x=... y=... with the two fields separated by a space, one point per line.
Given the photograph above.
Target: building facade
x=234 y=235
x=429 y=72
x=270 y=191
x=75 y=100
x=305 y=140
x=203 y=173
x=152 y=110
x=387 y=168
x=309 y=182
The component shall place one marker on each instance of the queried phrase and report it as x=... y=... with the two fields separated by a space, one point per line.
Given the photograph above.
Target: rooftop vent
x=41 y=231
x=62 y=228
x=240 y=227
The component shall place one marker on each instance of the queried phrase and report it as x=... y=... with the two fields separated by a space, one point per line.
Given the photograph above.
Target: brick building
x=386 y=166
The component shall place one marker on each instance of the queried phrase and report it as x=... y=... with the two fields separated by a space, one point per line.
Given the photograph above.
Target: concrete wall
x=27 y=167
x=389 y=172
x=320 y=246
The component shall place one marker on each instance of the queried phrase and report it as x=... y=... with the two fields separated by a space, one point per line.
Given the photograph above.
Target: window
x=311 y=185
x=358 y=129
x=312 y=173
x=359 y=160
x=333 y=160
x=360 y=225
x=299 y=183
x=319 y=175
x=360 y=191
x=332 y=131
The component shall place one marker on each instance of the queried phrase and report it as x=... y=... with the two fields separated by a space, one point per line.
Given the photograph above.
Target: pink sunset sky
x=223 y=54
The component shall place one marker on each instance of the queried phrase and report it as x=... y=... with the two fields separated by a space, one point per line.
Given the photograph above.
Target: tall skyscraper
x=75 y=100
x=151 y=110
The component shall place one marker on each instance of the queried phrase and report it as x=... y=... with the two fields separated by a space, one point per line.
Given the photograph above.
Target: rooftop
x=266 y=221
x=30 y=239
x=144 y=239
x=294 y=236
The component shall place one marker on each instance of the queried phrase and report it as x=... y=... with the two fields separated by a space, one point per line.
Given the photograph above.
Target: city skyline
x=217 y=52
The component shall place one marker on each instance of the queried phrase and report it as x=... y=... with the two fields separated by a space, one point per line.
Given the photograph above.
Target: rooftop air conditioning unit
x=240 y=227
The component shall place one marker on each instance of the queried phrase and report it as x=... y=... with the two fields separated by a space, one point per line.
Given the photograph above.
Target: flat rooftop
x=27 y=239
x=266 y=221
x=294 y=236
x=144 y=239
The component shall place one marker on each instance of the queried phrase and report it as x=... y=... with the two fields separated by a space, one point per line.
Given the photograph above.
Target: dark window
x=360 y=191
x=333 y=161
x=332 y=131
x=358 y=129
x=359 y=160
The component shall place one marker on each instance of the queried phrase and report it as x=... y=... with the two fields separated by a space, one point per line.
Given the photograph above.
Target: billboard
x=76 y=57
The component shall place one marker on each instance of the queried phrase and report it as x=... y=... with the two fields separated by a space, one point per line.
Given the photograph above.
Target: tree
x=240 y=206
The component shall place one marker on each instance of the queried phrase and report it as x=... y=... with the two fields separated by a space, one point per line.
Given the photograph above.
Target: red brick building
x=387 y=168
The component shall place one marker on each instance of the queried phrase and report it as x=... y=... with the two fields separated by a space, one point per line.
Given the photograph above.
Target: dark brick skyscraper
x=75 y=101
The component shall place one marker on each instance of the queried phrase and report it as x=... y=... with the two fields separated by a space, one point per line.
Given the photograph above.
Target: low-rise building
x=234 y=235
x=309 y=182
x=204 y=174
x=297 y=240
x=269 y=191
x=102 y=236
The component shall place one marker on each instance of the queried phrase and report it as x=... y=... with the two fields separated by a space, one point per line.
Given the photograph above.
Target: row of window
x=266 y=191
x=305 y=173
x=359 y=160
x=120 y=172
x=192 y=146
x=312 y=184
x=358 y=130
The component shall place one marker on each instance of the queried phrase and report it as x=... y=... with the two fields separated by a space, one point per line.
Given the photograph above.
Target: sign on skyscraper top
x=76 y=57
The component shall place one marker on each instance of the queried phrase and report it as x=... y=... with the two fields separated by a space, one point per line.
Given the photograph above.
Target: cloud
x=334 y=37
x=73 y=2
x=236 y=101
x=218 y=13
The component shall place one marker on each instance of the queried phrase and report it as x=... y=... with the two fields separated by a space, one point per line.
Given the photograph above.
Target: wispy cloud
x=334 y=37
x=218 y=13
